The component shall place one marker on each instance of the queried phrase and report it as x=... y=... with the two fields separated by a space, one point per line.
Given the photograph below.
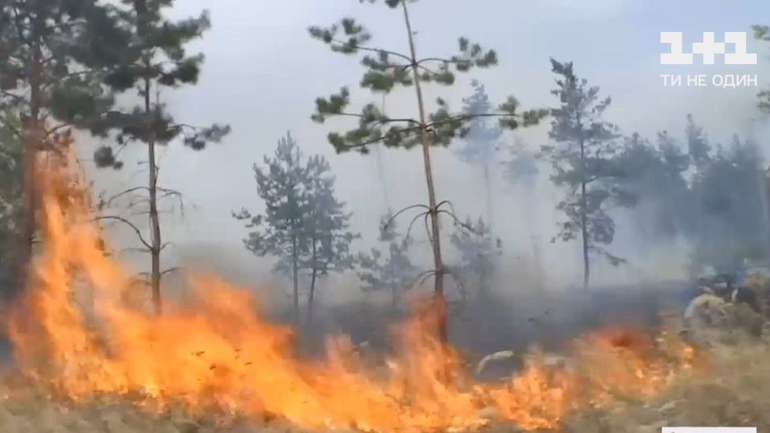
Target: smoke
x=261 y=100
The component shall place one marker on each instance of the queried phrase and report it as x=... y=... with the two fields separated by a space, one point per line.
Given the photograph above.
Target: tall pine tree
x=698 y=146
x=10 y=201
x=478 y=254
x=391 y=270
x=280 y=231
x=303 y=225
x=762 y=33
x=731 y=230
x=52 y=53
x=481 y=139
x=386 y=70
x=583 y=161
x=153 y=59
x=326 y=224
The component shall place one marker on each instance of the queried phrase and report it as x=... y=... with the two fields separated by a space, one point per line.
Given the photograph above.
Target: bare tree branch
x=133 y=250
x=442 y=60
x=395 y=215
x=13 y=96
x=128 y=223
x=125 y=192
x=411 y=223
x=170 y=270
x=375 y=50
x=57 y=128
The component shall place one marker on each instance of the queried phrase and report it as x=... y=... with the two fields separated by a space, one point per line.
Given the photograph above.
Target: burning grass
x=734 y=390
x=214 y=363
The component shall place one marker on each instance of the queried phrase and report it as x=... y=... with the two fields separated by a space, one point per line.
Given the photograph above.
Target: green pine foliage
x=388 y=268
x=478 y=252
x=480 y=138
x=304 y=226
x=153 y=56
x=51 y=57
x=583 y=162
x=385 y=71
x=10 y=201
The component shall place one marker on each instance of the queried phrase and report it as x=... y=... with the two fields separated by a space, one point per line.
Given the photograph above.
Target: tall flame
x=218 y=354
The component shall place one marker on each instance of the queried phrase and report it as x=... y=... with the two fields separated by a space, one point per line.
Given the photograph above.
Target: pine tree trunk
x=32 y=136
x=438 y=263
x=584 y=230
x=27 y=232
x=311 y=298
x=484 y=289
x=584 y=218
x=295 y=277
x=488 y=190
x=381 y=167
x=313 y=278
x=155 y=239
x=31 y=142
x=140 y=6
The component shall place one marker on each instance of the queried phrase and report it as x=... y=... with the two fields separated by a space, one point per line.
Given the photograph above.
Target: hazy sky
x=263 y=72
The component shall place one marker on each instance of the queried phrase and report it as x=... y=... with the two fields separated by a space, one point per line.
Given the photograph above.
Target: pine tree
x=653 y=180
x=11 y=191
x=732 y=228
x=699 y=153
x=391 y=270
x=521 y=169
x=304 y=225
x=582 y=159
x=280 y=230
x=51 y=55
x=326 y=225
x=387 y=70
x=481 y=139
x=697 y=144
x=154 y=58
x=762 y=33
x=478 y=253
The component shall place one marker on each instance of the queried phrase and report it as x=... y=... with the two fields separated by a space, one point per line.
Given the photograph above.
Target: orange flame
x=218 y=354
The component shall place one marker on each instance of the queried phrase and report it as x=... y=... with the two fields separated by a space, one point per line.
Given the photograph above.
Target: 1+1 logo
x=733 y=51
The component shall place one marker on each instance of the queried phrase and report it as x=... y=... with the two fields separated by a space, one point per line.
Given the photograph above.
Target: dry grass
x=29 y=411
x=733 y=390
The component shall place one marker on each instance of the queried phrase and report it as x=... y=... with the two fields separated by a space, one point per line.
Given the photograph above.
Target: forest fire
x=464 y=217
x=218 y=355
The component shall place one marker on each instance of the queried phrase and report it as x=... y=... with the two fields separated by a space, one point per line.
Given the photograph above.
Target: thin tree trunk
x=584 y=217
x=313 y=278
x=381 y=168
x=155 y=235
x=311 y=298
x=140 y=6
x=483 y=280
x=438 y=263
x=584 y=229
x=24 y=255
x=763 y=196
x=32 y=136
x=488 y=188
x=295 y=277
x=530 y=217
x=31 y=142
